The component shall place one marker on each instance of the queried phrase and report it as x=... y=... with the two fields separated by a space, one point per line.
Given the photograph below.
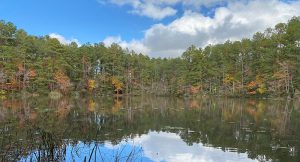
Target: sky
x=158 y=28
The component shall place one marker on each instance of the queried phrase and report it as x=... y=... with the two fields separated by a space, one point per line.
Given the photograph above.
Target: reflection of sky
x=106 y=153
x=170 y=147
x=154 y=146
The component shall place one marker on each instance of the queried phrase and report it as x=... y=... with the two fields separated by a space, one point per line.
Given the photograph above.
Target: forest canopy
x=266 y=64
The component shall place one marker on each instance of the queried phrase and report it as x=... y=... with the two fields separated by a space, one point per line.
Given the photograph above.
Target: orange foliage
x=13 y=85
x=252 y=86
x=257 y=86
x=32 y=73
x=63 y=81
x=194 y=89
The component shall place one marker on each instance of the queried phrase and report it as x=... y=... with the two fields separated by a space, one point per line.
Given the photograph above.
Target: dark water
x=149 y=129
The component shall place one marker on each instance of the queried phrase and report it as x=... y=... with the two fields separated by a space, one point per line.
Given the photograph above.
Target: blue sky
x=85 y=20
x=162 y=28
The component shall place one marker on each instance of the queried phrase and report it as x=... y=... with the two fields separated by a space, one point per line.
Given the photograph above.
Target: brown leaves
x=63 y=81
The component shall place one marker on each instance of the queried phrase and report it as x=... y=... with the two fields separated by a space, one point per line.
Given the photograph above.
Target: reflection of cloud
x=157 y=146
x=170 y=147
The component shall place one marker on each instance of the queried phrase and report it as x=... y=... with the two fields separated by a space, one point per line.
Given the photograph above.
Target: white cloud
x=154 y=11
x=63 y=40
x=149 y=9
x=134 y=45
x=206 y=3
x=159 y=9
x=236 y=20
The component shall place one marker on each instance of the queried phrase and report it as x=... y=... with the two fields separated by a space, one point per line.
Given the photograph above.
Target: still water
x=149 y=129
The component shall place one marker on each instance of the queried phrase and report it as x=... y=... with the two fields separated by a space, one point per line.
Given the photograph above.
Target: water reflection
x=149 y=129
x=94 y=152
x=162 y=146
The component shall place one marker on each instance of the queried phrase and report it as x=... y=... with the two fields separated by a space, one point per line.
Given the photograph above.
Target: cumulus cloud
x=134 y=45
x=153 y=11
x=234 y=21
x=64 y=40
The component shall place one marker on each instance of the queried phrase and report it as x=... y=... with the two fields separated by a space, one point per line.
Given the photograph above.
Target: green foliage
x=31 y=63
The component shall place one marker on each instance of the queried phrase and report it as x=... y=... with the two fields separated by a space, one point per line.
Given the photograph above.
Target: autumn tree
x=63 y=81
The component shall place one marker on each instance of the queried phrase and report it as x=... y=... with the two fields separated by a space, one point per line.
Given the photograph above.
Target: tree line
x=266 y=64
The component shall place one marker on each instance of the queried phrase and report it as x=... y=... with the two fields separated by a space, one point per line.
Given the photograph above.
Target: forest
x=268 y=64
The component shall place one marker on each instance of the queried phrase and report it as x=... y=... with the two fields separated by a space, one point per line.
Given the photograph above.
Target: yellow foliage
x=228 y=79
x=259 y=79
x=2 y=92
x=91 y=84
x=116 y=83
x=2 y=95
x=262 y=89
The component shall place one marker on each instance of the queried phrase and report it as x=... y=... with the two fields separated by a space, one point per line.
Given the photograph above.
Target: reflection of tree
x=256 y=110
x=117 y=105
x=91 y=105
x=260 y=128
x=281 y=120
x=63 y=108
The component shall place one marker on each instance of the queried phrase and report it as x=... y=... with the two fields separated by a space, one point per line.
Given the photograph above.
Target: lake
x=149 y=128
